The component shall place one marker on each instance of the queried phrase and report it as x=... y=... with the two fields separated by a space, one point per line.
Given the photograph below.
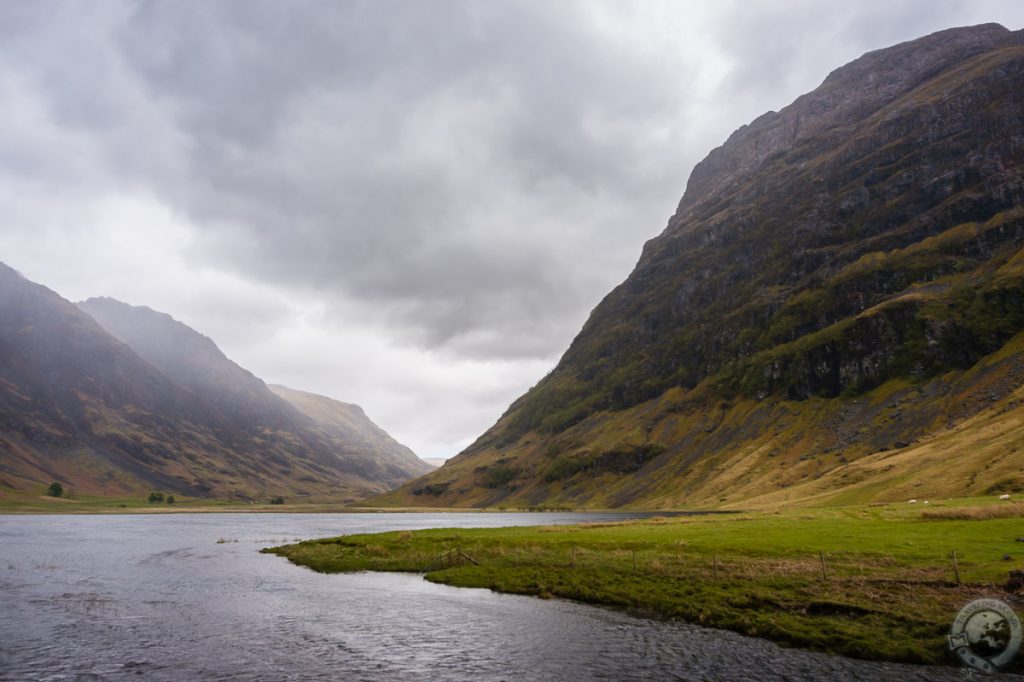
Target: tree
x=277 y=500
x=55 y=490
x=170 y=499
x=156 y=497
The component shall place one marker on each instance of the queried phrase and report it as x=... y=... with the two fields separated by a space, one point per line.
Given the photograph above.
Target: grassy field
x=98 y=504
x=869 y=582
x=87 y=504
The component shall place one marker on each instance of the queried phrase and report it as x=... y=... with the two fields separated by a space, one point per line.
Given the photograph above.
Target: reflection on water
x=189 y=596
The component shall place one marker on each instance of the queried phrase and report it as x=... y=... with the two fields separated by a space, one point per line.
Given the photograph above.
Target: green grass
x=99 y=504
x=888 y=593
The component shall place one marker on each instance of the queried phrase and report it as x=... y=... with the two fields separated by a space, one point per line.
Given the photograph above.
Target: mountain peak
x=161 y=331
x=8 y=271
x=848 y=94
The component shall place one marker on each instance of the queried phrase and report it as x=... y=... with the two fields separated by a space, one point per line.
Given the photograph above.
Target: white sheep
x=912 y=502
x=1004 y=496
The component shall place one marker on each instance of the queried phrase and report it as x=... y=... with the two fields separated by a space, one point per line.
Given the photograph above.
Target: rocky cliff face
x=156 y=406
x=860 y=247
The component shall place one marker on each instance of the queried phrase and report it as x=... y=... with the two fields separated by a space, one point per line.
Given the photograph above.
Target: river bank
x=874 y=583
x=97 y=504
x=190 y=596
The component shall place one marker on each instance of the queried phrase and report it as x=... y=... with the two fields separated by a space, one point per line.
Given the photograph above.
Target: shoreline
x=43 y=505
x=868 y=583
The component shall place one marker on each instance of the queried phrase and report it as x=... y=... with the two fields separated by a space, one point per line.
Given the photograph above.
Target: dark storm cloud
x=414 y=155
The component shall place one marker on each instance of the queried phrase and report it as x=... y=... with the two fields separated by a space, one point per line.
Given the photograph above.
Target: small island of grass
x=868 y=582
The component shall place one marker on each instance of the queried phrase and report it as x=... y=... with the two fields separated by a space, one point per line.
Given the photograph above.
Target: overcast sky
x=411 y=205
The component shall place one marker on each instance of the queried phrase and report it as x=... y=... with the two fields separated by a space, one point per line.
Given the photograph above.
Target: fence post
x=956 y=569
x=821 y=556
x=714 y=563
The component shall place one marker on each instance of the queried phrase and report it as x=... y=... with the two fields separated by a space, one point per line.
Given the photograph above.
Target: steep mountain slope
x=75 y=404
x=337 y=433
x=348 y=424
x=194 y=362
x=80 y=407
x=841 y=278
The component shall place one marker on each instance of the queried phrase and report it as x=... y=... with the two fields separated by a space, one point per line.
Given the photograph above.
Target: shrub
x=563 y=468
x=499 y=475
x=435 y=489
x=55 y=490
x=170 y=499
x=277 y=500
x=156 y=497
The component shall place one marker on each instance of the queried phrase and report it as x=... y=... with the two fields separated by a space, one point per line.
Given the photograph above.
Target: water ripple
x=158 y=597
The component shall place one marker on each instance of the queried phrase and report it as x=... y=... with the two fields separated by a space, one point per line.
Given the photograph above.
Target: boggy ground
x=868 y=582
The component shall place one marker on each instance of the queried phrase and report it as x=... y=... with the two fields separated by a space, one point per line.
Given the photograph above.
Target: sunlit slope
x=834 y=312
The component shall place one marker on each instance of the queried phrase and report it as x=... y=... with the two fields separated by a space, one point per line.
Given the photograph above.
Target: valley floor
x=875 y=582
x=43 y=504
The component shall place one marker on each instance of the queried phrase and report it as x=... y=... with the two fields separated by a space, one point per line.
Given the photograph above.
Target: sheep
x=1004 y=496
x=912 y=501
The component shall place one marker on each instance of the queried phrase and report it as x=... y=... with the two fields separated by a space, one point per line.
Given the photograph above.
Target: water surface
x=163 y=598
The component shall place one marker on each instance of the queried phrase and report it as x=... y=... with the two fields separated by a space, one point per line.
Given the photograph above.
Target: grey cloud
x=781 y=50
x=423 y=108
x=418 y=157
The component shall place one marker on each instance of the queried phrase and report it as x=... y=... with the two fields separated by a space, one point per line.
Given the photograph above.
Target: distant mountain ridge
x=191 y=360
x=840 y=290
x=348 y=424
x=108 y=398
x=196 y=363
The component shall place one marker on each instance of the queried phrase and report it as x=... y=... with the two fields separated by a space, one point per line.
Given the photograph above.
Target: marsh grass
x=889 y=591
x=1006 y=510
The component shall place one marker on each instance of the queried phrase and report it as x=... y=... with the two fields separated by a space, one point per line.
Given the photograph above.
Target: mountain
x=348 y=424
x=833 y=313
x=338 y=431
x=162 y=410
x=194 y=362
x=76 y=404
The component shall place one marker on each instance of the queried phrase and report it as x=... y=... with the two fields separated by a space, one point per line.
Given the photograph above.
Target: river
x=189 y=597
